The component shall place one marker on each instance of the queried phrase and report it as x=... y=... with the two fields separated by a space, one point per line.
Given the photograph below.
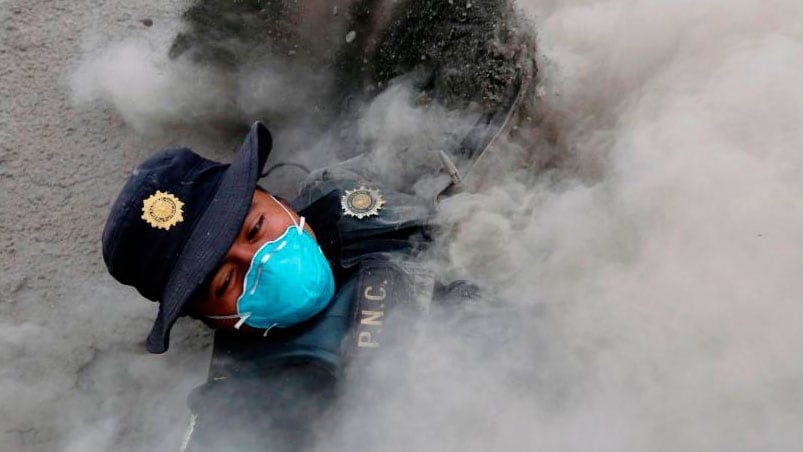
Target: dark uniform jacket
x=267 y=393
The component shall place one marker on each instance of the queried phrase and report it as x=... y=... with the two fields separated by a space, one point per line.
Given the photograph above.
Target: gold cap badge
x=162 y=210
x=362 y=202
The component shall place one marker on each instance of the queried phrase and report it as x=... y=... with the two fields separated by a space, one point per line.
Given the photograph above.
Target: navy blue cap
x=174 y=221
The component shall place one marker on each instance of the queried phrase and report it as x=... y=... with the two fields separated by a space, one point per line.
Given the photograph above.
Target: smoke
x=159 y=90
x=649 y=286
x=641 y=294
x=152 y=91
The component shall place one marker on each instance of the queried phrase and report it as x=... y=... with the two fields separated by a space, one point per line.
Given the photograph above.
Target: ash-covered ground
x=646 y=282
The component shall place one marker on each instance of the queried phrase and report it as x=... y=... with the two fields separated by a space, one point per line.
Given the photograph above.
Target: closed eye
x=225 y=285
x=254 y=231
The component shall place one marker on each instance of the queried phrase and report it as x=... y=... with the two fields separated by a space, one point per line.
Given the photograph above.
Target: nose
x=241 y=254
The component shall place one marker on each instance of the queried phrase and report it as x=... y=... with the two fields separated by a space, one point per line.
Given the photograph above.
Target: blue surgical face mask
x=289 y=281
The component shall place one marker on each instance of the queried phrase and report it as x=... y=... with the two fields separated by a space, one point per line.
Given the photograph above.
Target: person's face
x=265 y=222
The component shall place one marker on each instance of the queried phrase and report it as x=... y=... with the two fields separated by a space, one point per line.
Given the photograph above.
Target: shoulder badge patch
x=162 y=210
x=362 y=202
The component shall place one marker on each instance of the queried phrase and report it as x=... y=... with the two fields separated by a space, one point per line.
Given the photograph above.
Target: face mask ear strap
x=242 y=320
x=299 y=226
x=237 y=325
x=265 y=334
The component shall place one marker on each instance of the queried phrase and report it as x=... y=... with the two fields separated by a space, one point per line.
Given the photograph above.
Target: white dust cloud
x=154 y=92
x=650 y=285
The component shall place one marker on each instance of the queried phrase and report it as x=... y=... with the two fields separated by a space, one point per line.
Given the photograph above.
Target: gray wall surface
x=71 y=341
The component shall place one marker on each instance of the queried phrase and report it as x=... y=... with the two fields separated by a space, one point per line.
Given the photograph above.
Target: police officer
x=285 y=283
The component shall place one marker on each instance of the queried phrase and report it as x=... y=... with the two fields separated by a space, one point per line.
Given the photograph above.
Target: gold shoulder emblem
x=362 y=202
x=162 y=210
